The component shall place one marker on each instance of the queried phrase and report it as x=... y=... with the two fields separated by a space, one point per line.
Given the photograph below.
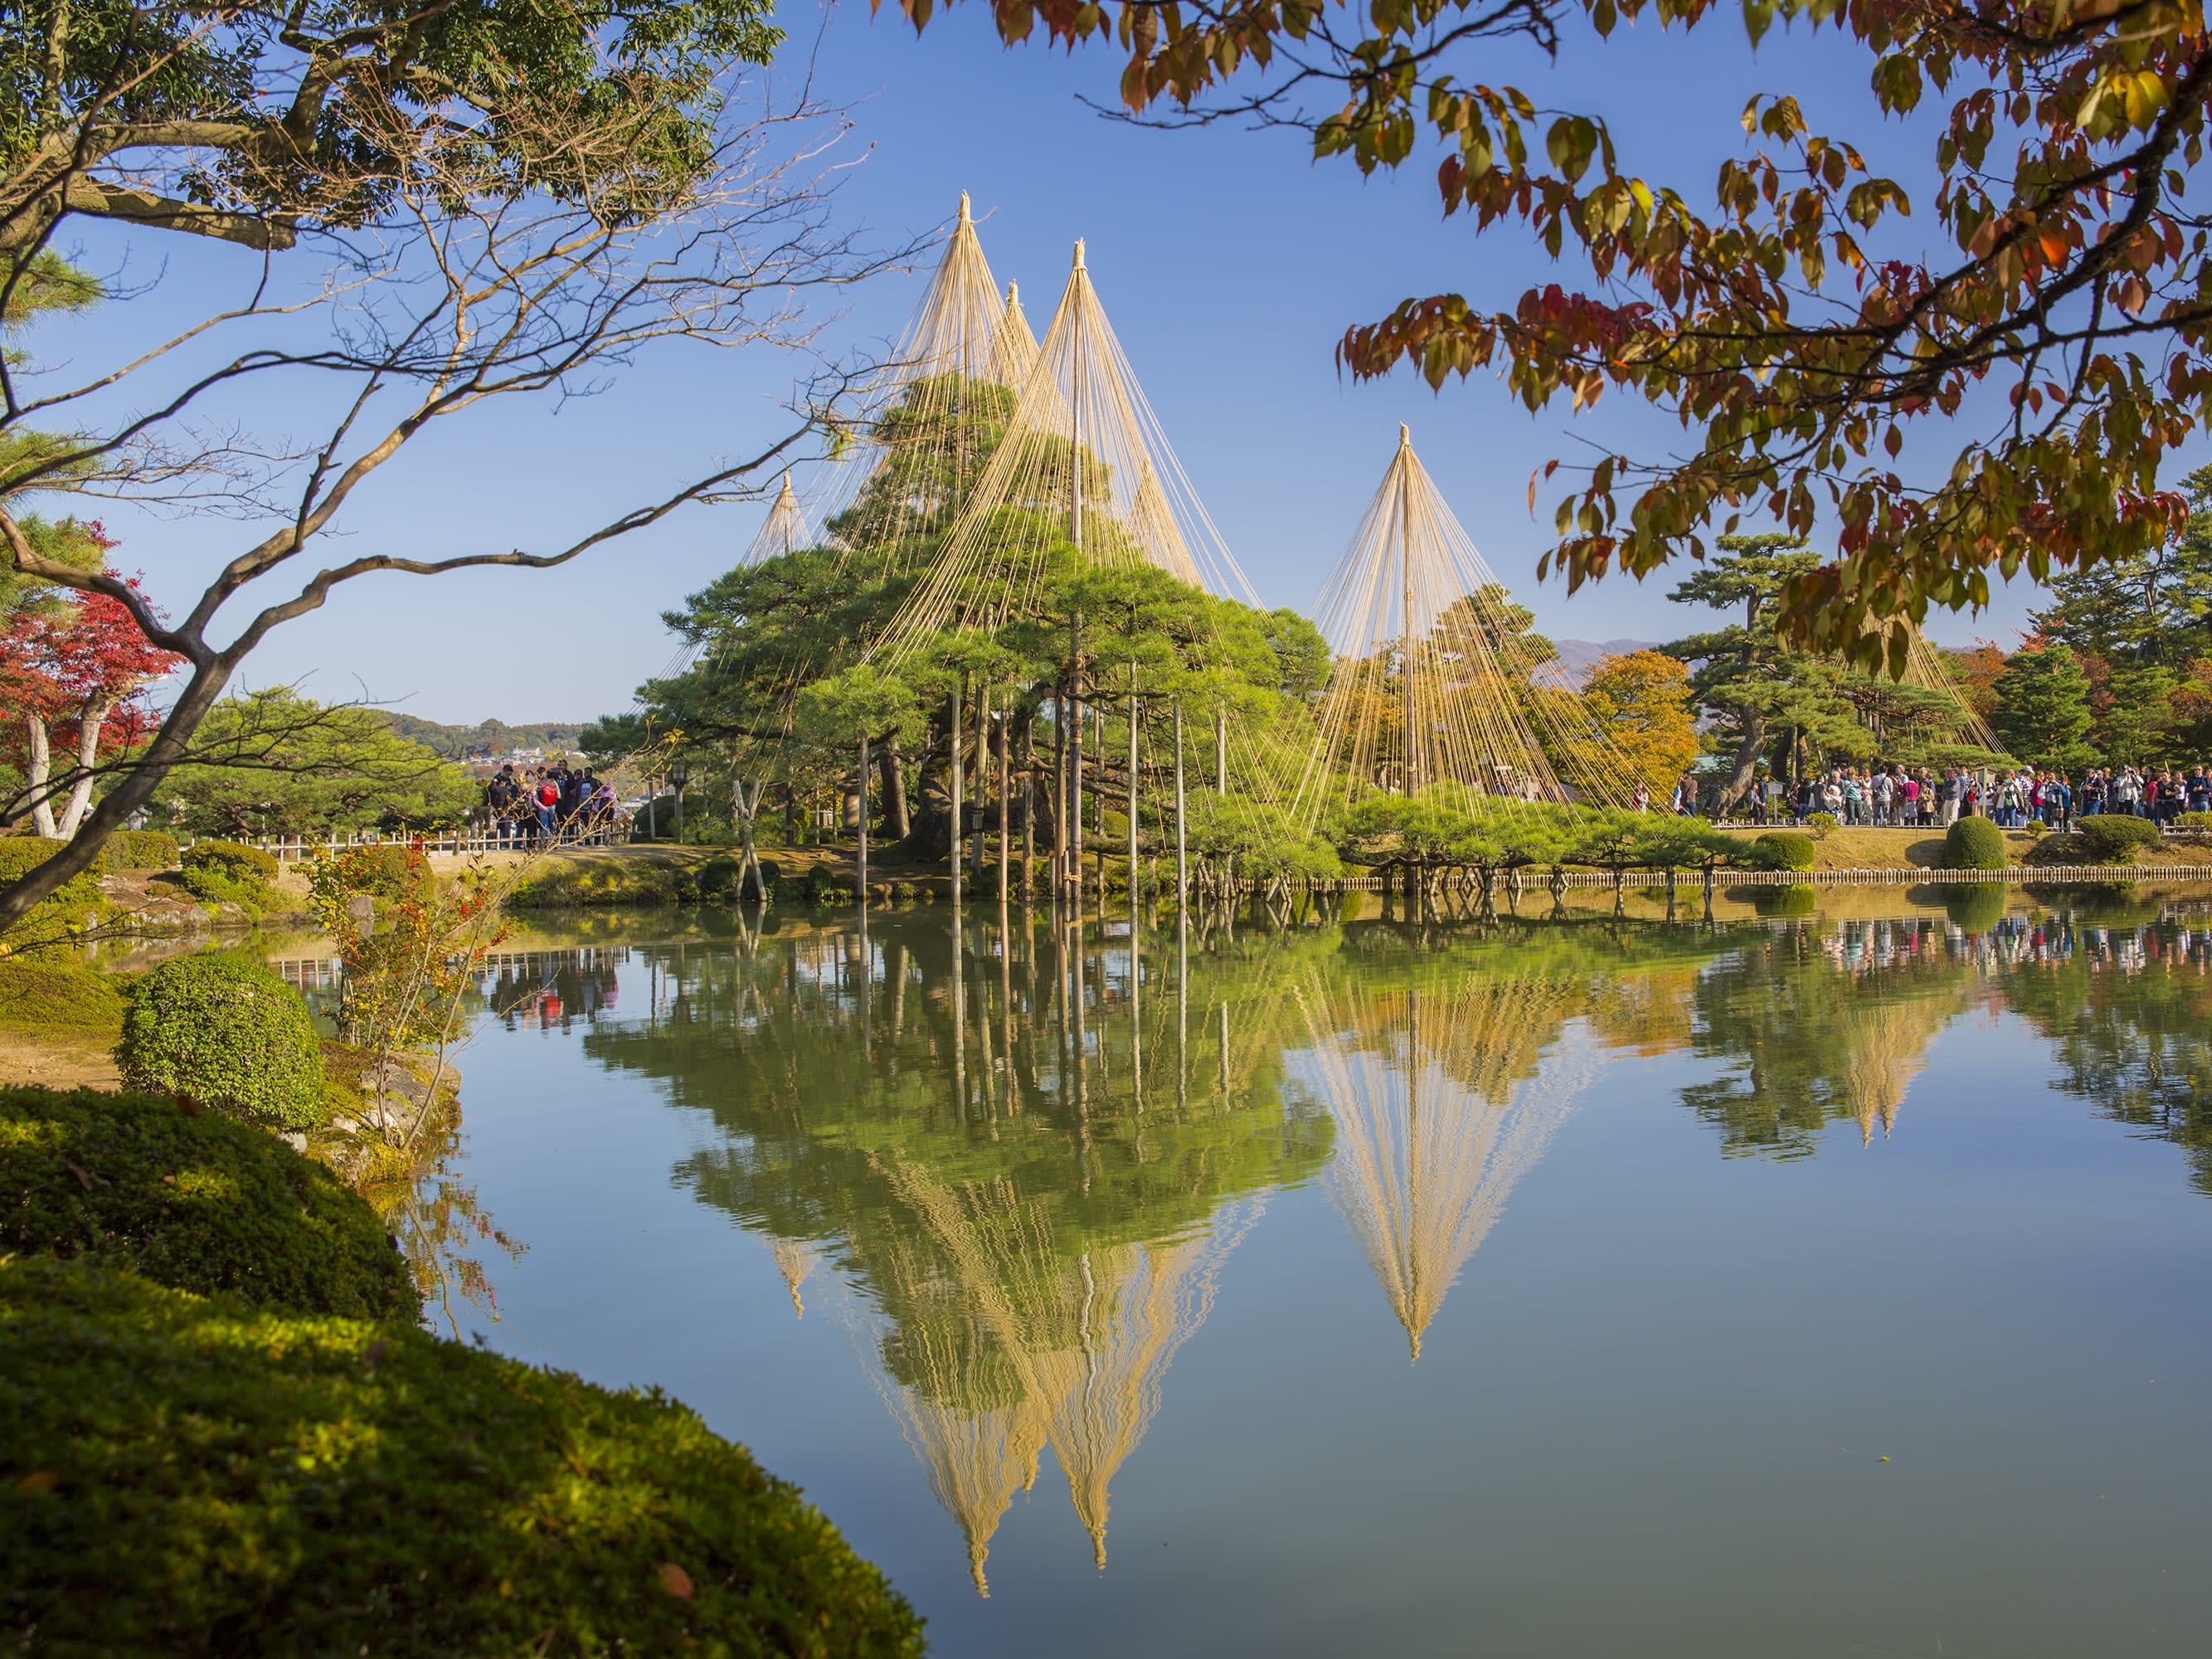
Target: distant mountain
x=1578 y=657
x=485 y=737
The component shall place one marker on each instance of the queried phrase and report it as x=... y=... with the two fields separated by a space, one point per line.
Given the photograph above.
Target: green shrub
x=225 y=872
x=1977 y=907
x=138 y=849
x=1798 y=899
x=1781 y=849
x=227 y=1034
x=196 y=1202
x=65 y=910
x=190 y=1475
x=229 y=858
x=59 y=998
x=717 y=878
x=388 y=870
x=1974 y=843
x=2199 y=822
x=2114 y=837
x=1819 y=823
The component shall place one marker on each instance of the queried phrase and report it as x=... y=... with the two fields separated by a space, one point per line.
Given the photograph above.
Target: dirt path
x=56 y=1065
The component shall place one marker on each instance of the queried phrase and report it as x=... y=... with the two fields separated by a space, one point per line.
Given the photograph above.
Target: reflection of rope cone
x=1885 y=1042
x=794 y=1263
x=1442 y=1101
x=1084 y=1345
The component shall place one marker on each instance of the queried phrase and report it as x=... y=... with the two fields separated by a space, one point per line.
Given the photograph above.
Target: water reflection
x=1014 y=1155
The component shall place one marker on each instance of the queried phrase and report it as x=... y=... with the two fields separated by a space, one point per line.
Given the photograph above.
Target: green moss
x=200 y=1203
x=187 y=1475
x=224 y=1033
x=59 y=998
x=1974 y=843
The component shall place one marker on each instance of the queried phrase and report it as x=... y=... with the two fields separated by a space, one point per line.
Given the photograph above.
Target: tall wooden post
x=864 y=820
x=1221 y=750
x=959 y=697
x=1406 y=598
x=1005 y=789
x=1133 y=802
x=1182 y=855
x=1028 y=809
x=1075 y=872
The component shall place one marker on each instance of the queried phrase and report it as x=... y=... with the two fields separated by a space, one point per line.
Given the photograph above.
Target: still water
x=1828 y=1283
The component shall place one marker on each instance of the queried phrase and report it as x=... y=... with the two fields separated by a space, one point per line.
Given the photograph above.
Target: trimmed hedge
x=180 y=1474
x=232 y=859
x=68 y=904
x=227 y=1034
x=198 y=1203
x=59 y=998
x=1782 y=849
x=1974 y=843
x=2115 y=837
x=139 y=849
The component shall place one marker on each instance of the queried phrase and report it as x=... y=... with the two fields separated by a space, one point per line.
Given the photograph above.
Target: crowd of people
x=547 y=804
x=1934 y=798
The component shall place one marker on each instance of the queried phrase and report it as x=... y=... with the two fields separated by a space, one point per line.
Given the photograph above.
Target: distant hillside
x=485 y=737
x=1578 y=657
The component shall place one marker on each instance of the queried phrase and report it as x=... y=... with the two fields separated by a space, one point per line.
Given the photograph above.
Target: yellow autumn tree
x=1639 y=702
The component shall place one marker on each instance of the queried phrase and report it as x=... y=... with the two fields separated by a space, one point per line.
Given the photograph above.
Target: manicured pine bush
x=229 y=872
x=1782 y=849
x=2115 y=837
x=1974 y=843
x=68 y=904
x=189 y=1476
x=138 y=849
x=197 y=1202
x=226 y=1034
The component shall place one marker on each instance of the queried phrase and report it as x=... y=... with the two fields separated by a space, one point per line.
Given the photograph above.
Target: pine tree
x=2043 y=708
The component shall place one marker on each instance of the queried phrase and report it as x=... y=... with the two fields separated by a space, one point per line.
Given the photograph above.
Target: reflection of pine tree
x=1031 y=1225
x=2137 y=1046
x=1807 y=1041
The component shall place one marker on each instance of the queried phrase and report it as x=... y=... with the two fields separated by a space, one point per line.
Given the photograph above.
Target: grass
x=60 y=999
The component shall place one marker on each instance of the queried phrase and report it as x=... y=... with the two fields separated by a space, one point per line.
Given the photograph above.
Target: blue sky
x=1228 y=261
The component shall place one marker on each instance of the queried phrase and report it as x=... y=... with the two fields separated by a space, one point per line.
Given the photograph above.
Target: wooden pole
x=864 y=820
x=1074 y=874
x=1182 y=855
x=1406 y=598
x=1005 y=789
x=1133 y=798
x=1029 y=808
x=959 y=696
x=1221 y=750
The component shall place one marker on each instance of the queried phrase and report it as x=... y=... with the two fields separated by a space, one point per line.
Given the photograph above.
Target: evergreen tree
x=2043 y=708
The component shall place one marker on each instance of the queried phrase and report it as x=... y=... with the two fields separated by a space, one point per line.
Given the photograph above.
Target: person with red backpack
x=548 y=800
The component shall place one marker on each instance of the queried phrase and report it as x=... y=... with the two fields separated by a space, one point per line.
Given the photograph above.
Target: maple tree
x=1788 y=318
x=74 y=668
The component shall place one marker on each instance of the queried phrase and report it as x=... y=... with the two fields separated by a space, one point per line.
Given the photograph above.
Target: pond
x=1829 y=1282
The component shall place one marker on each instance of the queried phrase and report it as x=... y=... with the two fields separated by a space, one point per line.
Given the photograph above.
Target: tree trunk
x=94 y=716
x=1747 y=763
x=38 y=770
x=891 y=770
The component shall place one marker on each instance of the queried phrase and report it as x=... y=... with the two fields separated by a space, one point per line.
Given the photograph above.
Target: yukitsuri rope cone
x=913 y=458
x=1444 y=1100
x=1430 y=694
x=784 y=530
x=1083 y=465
